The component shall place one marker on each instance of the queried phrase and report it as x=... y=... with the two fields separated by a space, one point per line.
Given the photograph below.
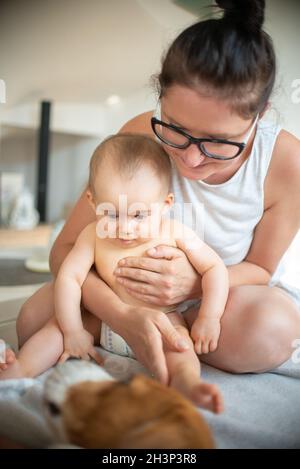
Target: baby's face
x=129 y=211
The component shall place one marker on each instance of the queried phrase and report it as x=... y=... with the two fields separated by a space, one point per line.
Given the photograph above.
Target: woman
x=215 y=85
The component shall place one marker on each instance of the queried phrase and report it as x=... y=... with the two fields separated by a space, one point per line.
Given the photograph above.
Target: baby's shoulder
x=181 y=233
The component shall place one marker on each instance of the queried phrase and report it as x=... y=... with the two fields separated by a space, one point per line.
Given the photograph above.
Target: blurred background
x=93 y=60
x=90 y=62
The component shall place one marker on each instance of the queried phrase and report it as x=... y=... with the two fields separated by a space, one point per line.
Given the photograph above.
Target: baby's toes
x=205 y=346
x=10 y=356
x=217 y=400
x=9 y=359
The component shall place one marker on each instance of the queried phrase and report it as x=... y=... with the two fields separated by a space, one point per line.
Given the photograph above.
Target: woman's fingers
x=149 y=299
x=138 y=274
x=159 y=366
x=170 y=335
x=95 y=355
x=164 y=252
x=154 y=360
x=144 y=263
x=86 y=356
x=139 y=287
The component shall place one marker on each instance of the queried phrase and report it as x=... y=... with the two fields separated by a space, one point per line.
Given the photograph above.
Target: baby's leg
x=38 y=354
x=184 y=369
x=34 y=314
x=44 y=348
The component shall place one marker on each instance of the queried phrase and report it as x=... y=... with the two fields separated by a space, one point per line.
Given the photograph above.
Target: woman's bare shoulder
x=140 y=124
x=284 y=172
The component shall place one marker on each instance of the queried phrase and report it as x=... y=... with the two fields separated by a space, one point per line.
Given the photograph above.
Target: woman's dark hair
x=231 y=58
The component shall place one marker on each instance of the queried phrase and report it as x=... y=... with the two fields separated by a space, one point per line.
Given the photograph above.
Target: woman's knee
x=258 y=333
x=273 y=326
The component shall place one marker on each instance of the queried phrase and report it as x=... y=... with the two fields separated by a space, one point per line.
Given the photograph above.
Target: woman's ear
x=90 y=198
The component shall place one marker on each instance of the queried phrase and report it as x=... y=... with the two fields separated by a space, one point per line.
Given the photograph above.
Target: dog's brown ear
x=168 y=432
x=173 y=422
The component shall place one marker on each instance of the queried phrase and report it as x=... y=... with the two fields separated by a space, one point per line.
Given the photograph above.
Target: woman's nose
x=193 y=156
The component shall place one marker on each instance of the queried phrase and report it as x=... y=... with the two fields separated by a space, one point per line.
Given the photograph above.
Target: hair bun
x=249 y=14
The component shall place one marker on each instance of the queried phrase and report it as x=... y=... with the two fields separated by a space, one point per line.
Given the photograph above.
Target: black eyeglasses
x=217 y=148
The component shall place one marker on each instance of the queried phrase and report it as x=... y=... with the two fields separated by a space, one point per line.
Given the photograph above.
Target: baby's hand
x=79 y=344
x=205 y=333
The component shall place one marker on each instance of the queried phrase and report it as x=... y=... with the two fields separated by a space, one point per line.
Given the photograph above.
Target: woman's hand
x=146 y=330
x=79 y=344
x=164 y=278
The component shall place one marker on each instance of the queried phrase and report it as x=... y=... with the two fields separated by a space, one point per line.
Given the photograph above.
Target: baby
x=129 y=190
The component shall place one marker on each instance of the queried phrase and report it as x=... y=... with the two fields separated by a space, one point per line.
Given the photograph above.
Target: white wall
x=70 y=154
x=283 y=24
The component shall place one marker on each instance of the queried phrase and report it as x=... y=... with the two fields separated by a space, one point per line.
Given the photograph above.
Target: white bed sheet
x=261 y=410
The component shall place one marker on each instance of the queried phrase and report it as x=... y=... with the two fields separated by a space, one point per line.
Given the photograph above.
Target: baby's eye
x=140 y=216
x=112 y=216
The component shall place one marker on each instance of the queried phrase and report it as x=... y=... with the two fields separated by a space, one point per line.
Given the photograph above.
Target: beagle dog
x=87 y=407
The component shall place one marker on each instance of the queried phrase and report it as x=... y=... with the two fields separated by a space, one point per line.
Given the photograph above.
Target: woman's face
x=201 y=117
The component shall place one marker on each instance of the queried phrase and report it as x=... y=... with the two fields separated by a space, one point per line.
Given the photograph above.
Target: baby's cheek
x=106 y=228
x=142 y=230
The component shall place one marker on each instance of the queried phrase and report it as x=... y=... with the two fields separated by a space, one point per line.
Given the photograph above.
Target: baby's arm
x=67 y=296
x=215 y=286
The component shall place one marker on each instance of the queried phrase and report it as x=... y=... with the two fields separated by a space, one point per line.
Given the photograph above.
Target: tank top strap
x=262 y=151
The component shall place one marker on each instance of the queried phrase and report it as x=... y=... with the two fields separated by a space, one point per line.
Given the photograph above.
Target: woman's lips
x=199 y=166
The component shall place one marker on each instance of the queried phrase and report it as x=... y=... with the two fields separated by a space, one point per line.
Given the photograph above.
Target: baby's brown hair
x=128 y=152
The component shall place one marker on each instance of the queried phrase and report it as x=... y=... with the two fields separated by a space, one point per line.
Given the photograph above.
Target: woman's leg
x=184 y=370
x=43 y=349
x=258 y=328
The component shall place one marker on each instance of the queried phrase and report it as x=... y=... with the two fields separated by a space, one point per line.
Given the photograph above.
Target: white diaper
x=114 y=343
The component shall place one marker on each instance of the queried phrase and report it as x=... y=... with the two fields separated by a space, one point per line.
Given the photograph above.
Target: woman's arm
x=281 y=220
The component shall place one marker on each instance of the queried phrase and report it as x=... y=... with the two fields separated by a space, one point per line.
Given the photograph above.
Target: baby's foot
x=207 y=396
x=9 y=359
x=202 y=394
x=13 y=371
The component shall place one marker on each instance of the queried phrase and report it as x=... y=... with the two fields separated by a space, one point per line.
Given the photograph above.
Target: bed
x=261 y=410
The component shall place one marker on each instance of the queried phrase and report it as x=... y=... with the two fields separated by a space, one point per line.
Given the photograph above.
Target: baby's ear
x=90 y=198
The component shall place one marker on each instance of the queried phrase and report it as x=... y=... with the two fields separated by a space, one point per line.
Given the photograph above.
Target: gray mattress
x=261 y=410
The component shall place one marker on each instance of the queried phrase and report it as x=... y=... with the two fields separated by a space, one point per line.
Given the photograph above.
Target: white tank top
x=234 y=208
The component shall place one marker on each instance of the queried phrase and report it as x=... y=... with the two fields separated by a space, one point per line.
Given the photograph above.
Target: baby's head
x=129 y=188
